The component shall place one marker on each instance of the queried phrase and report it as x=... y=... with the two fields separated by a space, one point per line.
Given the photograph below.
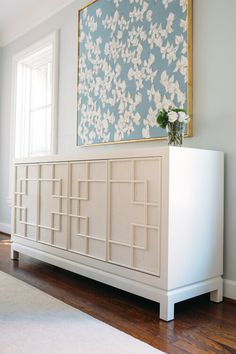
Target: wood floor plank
x=199 y=326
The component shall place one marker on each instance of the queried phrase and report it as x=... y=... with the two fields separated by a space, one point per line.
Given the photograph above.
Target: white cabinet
x=147 y=221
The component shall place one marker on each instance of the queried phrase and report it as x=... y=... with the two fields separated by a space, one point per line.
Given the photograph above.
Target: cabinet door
x=53 y=200
x=41 y=197
x=134 y=213
x=26 y=201
x=88 y=208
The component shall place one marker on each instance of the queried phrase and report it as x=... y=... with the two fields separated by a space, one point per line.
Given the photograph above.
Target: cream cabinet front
x=128 y=220
x=108 y=210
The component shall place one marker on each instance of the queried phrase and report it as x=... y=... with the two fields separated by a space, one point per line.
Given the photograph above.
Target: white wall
x=214 y=97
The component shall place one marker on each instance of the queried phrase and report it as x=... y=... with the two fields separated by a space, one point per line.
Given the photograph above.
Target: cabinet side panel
x=195 y=216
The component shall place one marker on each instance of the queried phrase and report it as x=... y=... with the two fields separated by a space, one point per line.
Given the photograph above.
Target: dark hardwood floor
x=199 y=326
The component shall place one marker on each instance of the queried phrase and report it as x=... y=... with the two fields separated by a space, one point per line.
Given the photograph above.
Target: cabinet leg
x=217 y=295
x=167 y=308
x=14 y=255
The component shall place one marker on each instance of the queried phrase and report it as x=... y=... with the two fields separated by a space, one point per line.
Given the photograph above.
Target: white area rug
x=32 y=322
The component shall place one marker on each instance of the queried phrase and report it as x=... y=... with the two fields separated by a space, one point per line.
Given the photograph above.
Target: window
x=35 y=99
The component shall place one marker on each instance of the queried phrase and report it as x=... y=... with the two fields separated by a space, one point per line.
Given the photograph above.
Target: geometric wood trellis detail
x=23 y=219
x=136 y=242
x=82 y=198
x=145 y=203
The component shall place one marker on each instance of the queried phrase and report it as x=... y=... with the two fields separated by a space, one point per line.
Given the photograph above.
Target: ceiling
x=19 y=16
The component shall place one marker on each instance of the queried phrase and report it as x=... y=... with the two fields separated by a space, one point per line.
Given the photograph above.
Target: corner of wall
x=5 y=228
x=230 y=289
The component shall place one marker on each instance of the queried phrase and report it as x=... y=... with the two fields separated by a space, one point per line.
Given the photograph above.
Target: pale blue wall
x=214 y=60
x=4 y=142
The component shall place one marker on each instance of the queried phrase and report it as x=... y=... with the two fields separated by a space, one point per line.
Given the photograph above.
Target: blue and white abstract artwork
x=133 y=61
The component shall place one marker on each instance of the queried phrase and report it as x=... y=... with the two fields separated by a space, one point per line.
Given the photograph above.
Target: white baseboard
x=6 y=228
x=230 y=289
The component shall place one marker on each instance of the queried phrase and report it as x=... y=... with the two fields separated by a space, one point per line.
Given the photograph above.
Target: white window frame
x=31 y=50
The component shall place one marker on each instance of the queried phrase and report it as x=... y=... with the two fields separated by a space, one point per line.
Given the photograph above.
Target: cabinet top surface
x=92 y=153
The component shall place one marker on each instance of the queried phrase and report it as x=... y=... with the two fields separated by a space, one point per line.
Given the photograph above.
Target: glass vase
x=175 y=133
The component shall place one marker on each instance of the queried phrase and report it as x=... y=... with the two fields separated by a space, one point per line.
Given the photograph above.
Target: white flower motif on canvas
x=133 y=61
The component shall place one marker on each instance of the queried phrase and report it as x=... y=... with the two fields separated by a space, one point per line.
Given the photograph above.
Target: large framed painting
x=135 y=57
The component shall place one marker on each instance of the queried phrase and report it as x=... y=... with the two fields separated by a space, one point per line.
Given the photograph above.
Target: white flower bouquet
x=174 y=120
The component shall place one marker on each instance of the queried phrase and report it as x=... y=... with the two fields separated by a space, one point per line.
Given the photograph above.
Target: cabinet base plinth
x=166 y=298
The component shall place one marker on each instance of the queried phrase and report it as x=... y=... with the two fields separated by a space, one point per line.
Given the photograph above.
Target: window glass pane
x=49 y=84
x=40 y=131
x=22 y=110
x=39 y=87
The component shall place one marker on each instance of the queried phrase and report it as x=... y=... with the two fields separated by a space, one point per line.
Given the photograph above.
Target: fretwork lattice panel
x=25 y=201
x=134 y=227
x=41 y=203
x=88 y=208
x=53 y=204
x=109 y=210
